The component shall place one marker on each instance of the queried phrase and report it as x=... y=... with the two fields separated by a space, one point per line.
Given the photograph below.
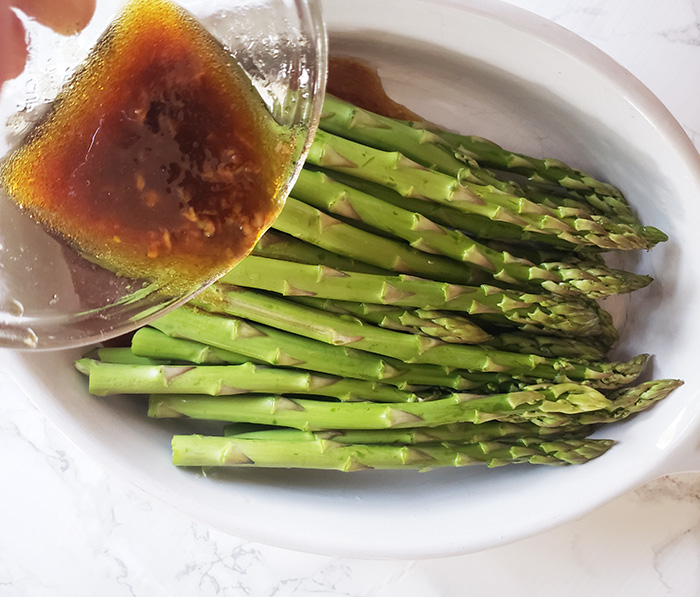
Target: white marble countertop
x=67 y=528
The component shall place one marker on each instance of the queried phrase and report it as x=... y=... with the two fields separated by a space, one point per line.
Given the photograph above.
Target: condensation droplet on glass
x=53 y=300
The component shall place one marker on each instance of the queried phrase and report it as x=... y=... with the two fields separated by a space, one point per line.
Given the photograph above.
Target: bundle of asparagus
x=425 y=299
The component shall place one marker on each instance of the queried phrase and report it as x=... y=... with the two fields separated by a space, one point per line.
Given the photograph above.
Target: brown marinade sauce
x=158 y=160
x=357 y=82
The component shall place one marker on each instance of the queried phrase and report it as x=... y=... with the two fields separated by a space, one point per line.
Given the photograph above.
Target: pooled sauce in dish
x=358 y=83
x=159 y=159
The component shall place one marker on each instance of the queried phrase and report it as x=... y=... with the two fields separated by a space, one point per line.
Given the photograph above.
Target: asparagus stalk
x=548 y=346
x=277 y=245
x=544 y=312
x=422 y=146
x=321 y=191
x=409 y=348
x=464 y=433
x=456 y=329
x=410 y=179
x=313 y=226
x=596 y=280
x=152 y=344
x=544 y=405
x=609 y=334
x=271 y=346
x=226 y=380
x=202 y=451
x=444 y=325
x=280 y=348
x=625 y=403
x=473 y=225
x=628 y=401
x=537 y=253
x=123 y=356
x=335 y=326
x=566 y=407
x=547 y=194
x=368 y=128
x=600 y=195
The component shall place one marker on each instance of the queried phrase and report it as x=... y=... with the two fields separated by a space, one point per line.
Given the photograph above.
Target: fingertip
x=13 y=47
x=67 y=17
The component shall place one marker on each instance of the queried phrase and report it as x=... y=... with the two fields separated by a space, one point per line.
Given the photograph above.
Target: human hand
x=66 y=17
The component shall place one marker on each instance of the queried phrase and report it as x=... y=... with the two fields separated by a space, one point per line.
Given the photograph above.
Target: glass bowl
x=54 y=295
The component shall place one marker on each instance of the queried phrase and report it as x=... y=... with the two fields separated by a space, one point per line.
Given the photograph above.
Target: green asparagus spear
x=202 y=451
x=413 y=180
x=444 y=325
x=546 y=312
x=534 y=405
x=151 y=343
x=270 y=345
x=425 y=147
x=362 y=126
x=600 y=195
x=409 y=348
x=548 y=346
x=313 y=226
x=625 y=403
x=467 y=433
x=280 y=348
x=319 y=190
x=332 y=326
x=474 y=225
x=595 y=280
x=565 y=406
x=122 y=355
x=450 y=327
x=628 y=401
x=226 y=380
x=277 y=245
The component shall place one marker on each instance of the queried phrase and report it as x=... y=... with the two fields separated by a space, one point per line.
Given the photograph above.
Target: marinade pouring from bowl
x=155 y=169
